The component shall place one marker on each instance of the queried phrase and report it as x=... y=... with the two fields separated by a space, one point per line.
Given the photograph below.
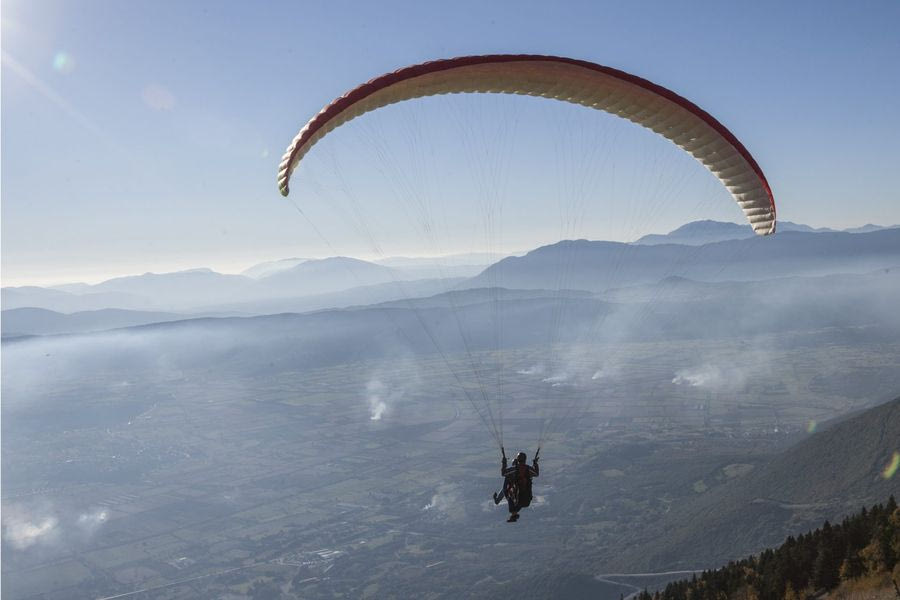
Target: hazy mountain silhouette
x=198 y=288
x=581 y=264
x=67 y=302
x=869 y=287
x=424 y=267
x=869 y=228
x=441 y=267
x=356 y=296
x=675 y=307
x=181 y=287
x=830 y=308
x=328 y=275
x=501 y=296
x=38 y=321
x=698 y=233
x=597 y=266
x=264 y=269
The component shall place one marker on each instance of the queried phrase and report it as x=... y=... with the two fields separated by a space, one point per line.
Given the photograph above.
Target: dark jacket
x=518 y=477
x=528 y=471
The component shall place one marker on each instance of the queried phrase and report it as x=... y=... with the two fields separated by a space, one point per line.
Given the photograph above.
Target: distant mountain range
x=829 y=308
x=202 y=290
x=328 y=275
x=481 y=259
x=39 y=321
x=357 y=296
x=68 y=302
x=184 y=288
x=454 y=265
x=299 y=284
x=265 y=269
x=598 y=266
x=698 y=233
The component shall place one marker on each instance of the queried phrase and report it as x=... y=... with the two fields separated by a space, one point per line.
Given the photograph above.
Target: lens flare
x=811 y=426
x=63 y=63
x=891 y=469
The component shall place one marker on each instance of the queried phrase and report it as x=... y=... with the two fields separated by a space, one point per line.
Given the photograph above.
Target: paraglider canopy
x=566 y=79
x=467 y=326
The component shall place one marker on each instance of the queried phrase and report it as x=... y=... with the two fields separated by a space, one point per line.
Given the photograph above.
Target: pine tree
x=825 y=572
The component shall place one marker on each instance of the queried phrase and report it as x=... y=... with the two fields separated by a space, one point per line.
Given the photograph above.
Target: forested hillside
x=860 y=556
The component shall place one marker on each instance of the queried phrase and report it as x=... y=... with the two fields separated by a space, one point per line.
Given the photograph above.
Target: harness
x=521 y=483
x=522 y=472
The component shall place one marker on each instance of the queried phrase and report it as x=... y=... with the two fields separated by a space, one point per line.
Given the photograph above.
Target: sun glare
x=891 y=469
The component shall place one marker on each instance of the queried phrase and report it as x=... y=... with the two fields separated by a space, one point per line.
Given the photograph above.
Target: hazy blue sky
x=145 y=135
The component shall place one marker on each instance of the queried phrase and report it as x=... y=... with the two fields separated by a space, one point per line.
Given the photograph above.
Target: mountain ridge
x=708 y=231
x=596 y=266
x=589 y=265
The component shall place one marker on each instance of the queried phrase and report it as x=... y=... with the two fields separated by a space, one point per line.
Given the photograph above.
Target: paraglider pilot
x=517 y=483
